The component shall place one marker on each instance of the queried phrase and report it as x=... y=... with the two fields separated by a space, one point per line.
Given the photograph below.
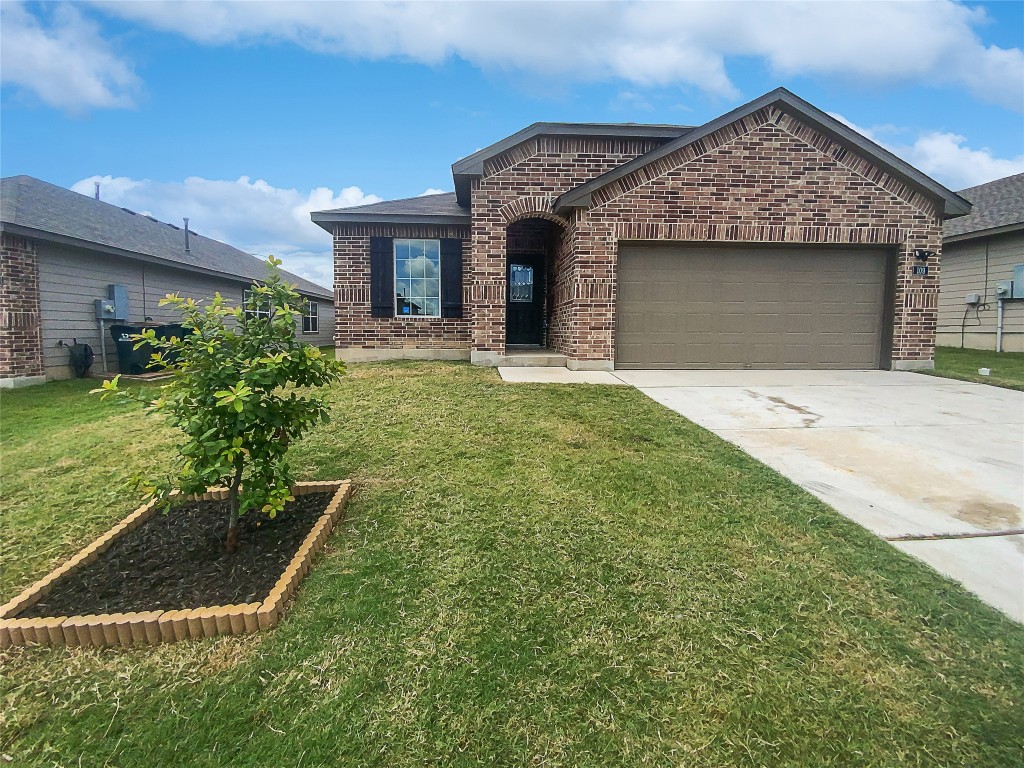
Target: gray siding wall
x=70 y=279
x=963 y=272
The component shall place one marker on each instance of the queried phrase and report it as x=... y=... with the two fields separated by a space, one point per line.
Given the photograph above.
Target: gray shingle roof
x=997 y=204
x=428 y=205
x=435 y=209
x=31 y=204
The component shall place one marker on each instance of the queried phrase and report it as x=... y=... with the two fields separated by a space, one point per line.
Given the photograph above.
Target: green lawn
x=529 y=575
x=1007 y=368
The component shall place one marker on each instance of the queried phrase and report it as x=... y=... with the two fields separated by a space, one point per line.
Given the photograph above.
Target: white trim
x=313 y=315
x=259 y=313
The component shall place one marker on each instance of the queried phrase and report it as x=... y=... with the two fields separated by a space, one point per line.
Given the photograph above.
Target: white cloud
x=631 y=101
x=251 y=215
x=61 y=58
x=432 y=191
x=944 y=156
x=647 y=44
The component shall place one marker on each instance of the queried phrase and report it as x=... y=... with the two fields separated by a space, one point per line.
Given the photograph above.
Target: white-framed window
x=262 y=311
x=417 y=278
x=311 y=318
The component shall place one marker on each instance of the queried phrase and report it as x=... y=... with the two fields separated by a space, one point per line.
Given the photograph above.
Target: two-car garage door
x=749 y=307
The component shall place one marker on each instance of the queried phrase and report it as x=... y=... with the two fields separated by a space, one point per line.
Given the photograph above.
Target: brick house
x=60 y=251
x=771 y=237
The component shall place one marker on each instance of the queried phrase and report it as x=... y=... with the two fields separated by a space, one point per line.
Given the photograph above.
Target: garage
x=681 y=306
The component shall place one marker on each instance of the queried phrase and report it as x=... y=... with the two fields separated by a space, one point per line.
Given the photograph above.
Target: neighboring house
x=980 y=252
x=61 y=251
x=771 y=237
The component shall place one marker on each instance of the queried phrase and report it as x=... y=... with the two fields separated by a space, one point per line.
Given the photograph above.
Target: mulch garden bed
x=177 y=561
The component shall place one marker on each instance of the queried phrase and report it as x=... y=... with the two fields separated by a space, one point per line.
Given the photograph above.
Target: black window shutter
x=451 y=277
x=382 y=277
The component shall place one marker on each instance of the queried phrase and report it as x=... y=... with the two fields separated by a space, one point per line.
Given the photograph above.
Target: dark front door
x=524 y=311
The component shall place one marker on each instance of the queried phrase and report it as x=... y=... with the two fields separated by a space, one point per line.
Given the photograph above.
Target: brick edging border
x=113 y=629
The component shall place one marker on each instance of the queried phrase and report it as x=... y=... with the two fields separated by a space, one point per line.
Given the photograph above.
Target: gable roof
x=953 y=205
x=998 y=207
x=36 y=208
x=436 y=209
x=473 y=165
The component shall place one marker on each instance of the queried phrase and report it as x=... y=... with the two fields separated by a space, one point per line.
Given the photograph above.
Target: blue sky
x=245 y=116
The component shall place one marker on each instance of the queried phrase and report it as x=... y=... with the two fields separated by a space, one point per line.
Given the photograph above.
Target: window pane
x=521 y=283
x=416 y=267
x=417 y=272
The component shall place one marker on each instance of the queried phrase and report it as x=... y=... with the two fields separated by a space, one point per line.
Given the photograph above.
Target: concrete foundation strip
x=105 y=630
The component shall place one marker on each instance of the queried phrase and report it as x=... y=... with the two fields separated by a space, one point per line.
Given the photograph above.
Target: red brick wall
x=355 y=327
x=561 y=283
x=768 y=179
x=518 y=184
x=21 y=345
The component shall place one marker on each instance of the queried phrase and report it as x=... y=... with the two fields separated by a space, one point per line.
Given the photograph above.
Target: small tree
x=234 y=395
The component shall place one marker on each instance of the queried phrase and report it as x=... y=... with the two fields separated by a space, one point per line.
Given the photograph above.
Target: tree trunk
x=232 y=541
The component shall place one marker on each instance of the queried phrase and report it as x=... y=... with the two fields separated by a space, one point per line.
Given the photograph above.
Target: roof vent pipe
x=186 y=234
x=97 y=189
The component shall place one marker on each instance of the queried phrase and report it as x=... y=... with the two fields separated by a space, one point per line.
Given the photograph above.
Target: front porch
x=532 y=326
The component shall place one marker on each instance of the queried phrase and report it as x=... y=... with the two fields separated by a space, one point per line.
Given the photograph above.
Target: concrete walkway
x=903 y=454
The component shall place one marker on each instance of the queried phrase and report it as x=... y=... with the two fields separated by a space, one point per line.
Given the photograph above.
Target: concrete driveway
x=905 y=455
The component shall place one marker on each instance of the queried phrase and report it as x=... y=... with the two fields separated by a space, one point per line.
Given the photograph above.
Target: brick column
x=21 y=342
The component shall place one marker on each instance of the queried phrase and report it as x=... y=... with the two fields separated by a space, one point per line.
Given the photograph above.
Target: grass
x=529 y=575
x=1007 y=367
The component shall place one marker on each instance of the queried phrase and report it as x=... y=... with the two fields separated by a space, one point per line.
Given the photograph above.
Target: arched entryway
x=533 y=292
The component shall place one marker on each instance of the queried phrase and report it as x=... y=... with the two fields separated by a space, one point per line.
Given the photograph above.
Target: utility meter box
x=105 y=310
x=118 y=295
x=1018 y=282
x=972 y=299
x=1004 y=289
